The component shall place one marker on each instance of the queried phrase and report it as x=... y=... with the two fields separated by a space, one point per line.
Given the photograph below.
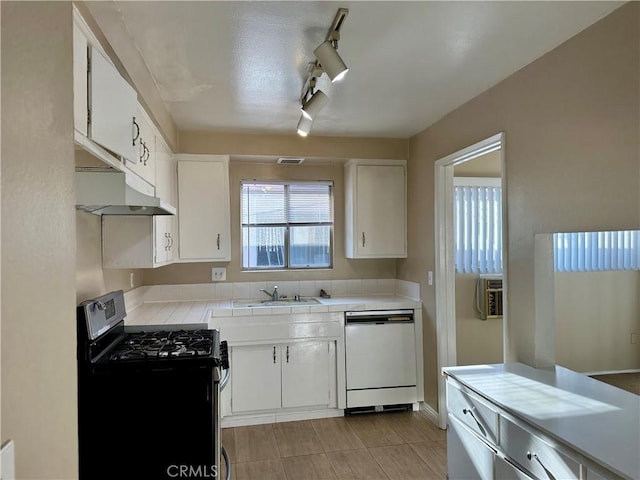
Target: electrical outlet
x=634 y=338
x=218 y=274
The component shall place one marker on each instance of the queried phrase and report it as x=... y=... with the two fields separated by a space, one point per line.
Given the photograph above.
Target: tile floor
x=626 y=381
x=394 y=445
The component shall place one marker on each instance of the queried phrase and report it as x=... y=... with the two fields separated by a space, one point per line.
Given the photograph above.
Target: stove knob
x=224 y=355
x=101 y=306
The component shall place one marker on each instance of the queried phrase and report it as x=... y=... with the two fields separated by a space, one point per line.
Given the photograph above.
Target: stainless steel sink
x=283 y=302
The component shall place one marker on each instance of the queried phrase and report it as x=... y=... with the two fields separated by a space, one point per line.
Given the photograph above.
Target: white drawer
x=467 y=456
x=506 y=471
x=535 y=455
x=473 y=412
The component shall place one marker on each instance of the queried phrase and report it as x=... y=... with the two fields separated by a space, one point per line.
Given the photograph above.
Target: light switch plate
x=218 y=274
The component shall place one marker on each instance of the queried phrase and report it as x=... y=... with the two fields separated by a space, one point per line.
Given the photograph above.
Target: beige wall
x=489 y=165
x=342 y=267
x=228 y=143
x=477 y=341
x=91 y=279
x=38 y=240
x=572 y=164
x=596 y=312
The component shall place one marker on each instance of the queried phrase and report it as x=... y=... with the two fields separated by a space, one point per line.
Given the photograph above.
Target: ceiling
x=240 y=66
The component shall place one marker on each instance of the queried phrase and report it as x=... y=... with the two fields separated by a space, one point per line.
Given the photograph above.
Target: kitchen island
x=515 y=421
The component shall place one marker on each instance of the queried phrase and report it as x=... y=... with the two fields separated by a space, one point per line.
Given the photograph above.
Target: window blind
x=478 y=229
x=286 y=224
x=596 y=251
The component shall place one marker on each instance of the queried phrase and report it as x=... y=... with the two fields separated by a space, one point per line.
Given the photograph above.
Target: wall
x=571 y=121
x=38 y=242
x=91 y=279
x=342 y=267
x=596 y=312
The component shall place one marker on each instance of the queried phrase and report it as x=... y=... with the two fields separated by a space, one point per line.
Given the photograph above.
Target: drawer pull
x=469 y=411
x=534 y=456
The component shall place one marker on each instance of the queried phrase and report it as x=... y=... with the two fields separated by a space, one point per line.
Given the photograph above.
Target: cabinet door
x=113 y=105
x=255 y=378
x=203 y=210
x=305 y=374
x=144 y=163
x=80 y=79
x=161 y=238
x=381 y=211
x=467 y=456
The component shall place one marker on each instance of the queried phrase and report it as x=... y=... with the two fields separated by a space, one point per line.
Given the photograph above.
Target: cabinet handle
x=142 y=151
x=147 y=154
x=534 y=456
x=469 y=411
x=274 y=354
x=363 y=239
x=287 y=353
x=137 y=134
x=218 y=242
x=170 y=241
x=166 y=236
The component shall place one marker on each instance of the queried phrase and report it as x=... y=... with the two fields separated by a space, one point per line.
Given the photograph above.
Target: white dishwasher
x=380 y=360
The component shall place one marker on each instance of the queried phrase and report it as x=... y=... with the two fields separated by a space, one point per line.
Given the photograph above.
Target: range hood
x=106 y=192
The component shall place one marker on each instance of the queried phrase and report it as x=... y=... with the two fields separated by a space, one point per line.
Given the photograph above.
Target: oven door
x=220 y=451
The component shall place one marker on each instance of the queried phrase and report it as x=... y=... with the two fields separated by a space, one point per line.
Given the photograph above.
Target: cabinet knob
x=274 y=354
x=218 y=242
x=363 y=239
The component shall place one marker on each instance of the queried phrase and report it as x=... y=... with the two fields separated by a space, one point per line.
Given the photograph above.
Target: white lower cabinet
x=468 y=457
x=279 y=376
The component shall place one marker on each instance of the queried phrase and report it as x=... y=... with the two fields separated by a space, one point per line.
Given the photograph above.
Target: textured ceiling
x=240 y=66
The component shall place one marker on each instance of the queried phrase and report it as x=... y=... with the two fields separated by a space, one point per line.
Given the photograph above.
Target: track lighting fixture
x=304 y=126
x=329 y=62
x=316 y=102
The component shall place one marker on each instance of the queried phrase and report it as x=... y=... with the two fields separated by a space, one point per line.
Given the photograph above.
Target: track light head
x=312 y=107
x=331 y=61
x=304 y=126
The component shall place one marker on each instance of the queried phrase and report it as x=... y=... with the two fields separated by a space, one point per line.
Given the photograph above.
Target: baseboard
x=277 y=417
x=612 y=372
x=430 y=413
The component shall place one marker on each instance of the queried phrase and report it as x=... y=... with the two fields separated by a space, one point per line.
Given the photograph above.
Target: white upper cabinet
x=112 y=107
x=144 y=161
x=203 y=208
x=376 y=209
x=80 y=52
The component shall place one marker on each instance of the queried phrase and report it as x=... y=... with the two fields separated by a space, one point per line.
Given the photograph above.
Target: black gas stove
x=135 y=386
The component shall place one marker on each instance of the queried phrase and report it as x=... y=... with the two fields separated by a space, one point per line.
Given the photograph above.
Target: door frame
x=445 y=255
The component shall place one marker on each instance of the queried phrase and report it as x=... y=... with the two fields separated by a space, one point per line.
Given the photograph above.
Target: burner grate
x=163 y=344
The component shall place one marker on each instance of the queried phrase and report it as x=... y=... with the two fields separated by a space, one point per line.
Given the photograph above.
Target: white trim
x=445 y=254
x=612 y=372
x=477 y=182
x=429 y=412
x=544 y=301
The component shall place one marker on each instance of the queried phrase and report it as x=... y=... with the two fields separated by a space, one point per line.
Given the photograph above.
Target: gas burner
x=164 y=344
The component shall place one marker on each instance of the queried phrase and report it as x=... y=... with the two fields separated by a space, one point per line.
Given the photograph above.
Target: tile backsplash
x=249 y=290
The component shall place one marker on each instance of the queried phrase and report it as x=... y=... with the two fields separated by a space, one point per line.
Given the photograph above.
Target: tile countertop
x=190 y=312
x=600 y=421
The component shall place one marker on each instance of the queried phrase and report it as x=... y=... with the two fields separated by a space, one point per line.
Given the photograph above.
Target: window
x=596 y=251
x=286 y=225
x=478 y=225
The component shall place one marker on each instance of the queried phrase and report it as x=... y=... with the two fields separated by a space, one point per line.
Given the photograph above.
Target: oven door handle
x=225 y=378
x=227 y=462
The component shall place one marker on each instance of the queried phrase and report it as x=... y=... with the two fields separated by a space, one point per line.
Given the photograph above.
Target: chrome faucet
x=275 y=296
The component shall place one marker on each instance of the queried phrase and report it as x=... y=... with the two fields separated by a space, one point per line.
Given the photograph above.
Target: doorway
x=445 y=283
